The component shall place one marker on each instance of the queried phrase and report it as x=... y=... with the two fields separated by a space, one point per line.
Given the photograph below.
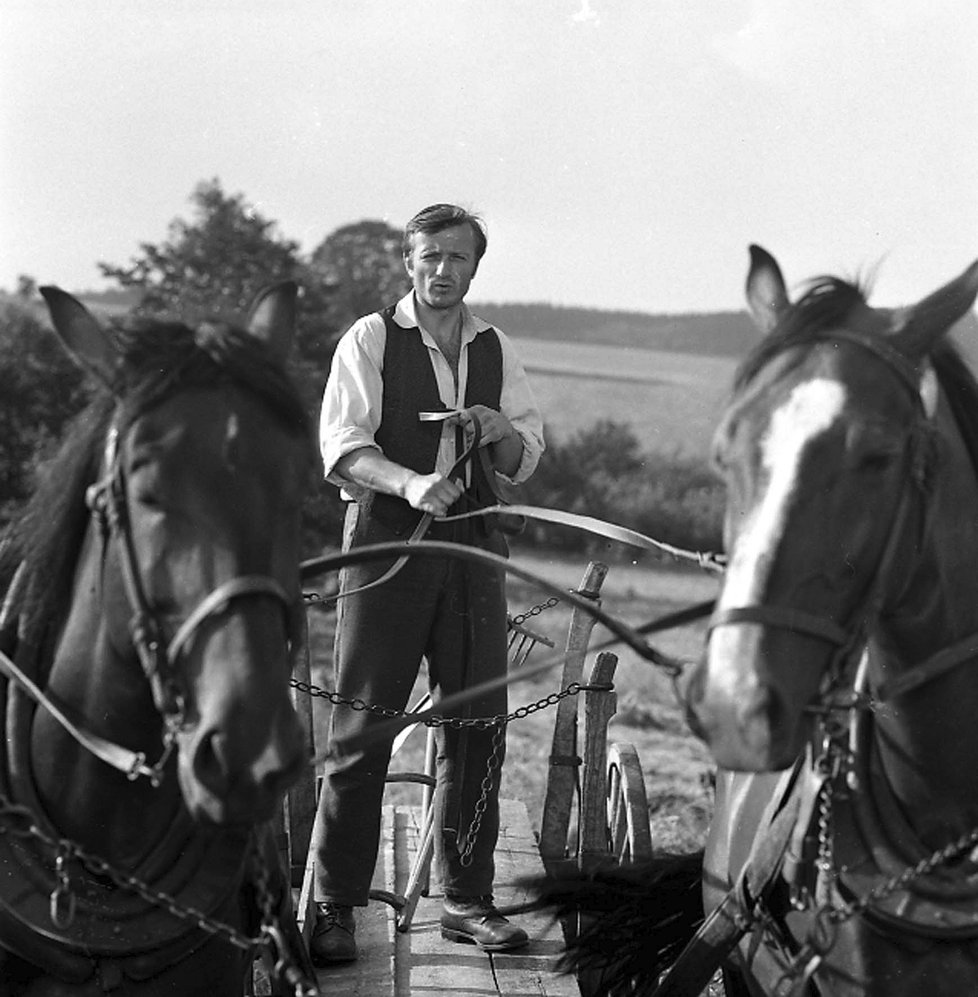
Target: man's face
x=441 y=265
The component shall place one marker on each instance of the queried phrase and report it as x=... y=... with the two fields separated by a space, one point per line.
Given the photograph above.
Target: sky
x=623 y=153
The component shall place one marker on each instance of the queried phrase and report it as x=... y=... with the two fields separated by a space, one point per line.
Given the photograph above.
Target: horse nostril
x=210 y=763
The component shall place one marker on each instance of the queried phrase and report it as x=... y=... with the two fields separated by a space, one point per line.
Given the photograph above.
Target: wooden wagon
x=402 y=952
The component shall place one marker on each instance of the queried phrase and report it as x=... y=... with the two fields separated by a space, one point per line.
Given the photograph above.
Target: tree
x=362 y=267
x=214 y=264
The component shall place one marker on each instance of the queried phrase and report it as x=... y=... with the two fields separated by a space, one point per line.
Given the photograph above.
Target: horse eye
x=149 y=500
x=876 y=461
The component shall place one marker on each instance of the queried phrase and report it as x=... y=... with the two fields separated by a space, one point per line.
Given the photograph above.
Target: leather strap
x=133 y=763
x=939 y=664
x=785 y=617
x=427 y=519
x=591 y=525
x=733 y=918
x=217 y=602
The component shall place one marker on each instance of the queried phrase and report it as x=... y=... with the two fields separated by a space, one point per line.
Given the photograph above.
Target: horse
x=152 y=610
x=836 y=691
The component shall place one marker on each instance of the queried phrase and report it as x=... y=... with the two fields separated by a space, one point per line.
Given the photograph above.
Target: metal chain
x=536 y=610
x=285 y=968
x=472 y=834
x=12 y=815
x=481 y=723
x=828 y=918
x=903 y=879
x=825 y=863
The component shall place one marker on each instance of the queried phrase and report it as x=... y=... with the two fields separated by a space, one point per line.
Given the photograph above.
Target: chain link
x=285 y=968
x=481 y=723
x=535 y=610
x=828 y=917
x=21 y=822
x=903 y=879
x=492 y=764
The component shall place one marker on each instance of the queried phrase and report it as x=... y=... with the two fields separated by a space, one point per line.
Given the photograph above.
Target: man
x=405 y=389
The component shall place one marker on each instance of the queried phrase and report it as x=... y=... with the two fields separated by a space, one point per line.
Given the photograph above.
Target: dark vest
x=409 y=388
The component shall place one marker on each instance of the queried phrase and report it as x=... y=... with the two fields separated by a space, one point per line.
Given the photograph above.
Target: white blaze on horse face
x=808 y=412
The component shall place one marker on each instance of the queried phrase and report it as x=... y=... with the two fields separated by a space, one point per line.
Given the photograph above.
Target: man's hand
x=431 y=493
x=495 y=426
x=505 y=444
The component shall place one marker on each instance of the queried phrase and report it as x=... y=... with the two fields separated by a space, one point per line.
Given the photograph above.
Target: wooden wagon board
x=420 y=961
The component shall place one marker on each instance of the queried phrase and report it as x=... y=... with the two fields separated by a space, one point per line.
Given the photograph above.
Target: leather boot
x=476 y=921
x=333 y=935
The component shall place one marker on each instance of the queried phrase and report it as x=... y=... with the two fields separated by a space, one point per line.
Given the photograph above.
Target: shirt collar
x=406 y=316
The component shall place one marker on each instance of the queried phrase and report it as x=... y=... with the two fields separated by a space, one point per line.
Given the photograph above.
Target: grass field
x=673 y=401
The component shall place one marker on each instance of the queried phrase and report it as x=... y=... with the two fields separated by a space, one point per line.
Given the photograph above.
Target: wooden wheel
x=629 y=832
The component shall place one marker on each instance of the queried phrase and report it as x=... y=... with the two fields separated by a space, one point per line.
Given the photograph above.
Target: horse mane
x=829 y=302
x=960 y=388
x=155 y=360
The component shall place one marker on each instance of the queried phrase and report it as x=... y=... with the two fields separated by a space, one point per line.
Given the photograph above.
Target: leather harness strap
x=733 y=918
x=785 y=617
x=133 y=763
x=589 y=524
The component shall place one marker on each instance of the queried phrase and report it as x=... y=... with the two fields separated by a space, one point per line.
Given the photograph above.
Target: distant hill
x=711 y=334
x=715 y=334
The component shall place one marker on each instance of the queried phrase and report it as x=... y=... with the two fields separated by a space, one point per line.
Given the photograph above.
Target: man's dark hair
x=436 y=218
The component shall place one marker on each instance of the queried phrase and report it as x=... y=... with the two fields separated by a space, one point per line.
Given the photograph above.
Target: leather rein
x=159 y=657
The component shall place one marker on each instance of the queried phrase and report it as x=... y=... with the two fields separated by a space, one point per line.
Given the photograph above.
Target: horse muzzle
x=230 y=780
x=733 y=704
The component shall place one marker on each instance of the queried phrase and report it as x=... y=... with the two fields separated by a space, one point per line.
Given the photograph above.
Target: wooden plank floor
x=420 y=962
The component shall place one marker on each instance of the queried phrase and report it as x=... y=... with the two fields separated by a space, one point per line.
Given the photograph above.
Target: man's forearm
x=506 y=454
x=369 y=468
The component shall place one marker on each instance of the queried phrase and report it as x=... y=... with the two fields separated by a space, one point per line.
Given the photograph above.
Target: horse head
x=827 y=447
x=185 y=604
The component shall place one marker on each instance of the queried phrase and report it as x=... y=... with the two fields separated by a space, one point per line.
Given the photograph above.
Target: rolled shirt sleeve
x=517 y=403
x=352 y=400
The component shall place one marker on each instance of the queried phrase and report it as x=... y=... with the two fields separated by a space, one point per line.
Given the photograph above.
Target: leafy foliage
x=361 y=264
x=40 y=390
x=214 y=264
x=602 y=472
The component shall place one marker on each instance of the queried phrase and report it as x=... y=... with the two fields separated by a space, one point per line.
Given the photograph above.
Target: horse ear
x=766 y=294
x=272 y=317
x=921 y=326
x=80 y=333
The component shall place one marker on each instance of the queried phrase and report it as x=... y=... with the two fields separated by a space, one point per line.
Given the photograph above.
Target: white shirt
x=353 y=399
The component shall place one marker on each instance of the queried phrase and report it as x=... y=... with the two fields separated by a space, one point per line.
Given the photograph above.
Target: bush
x=40 y=390
x=601 y=472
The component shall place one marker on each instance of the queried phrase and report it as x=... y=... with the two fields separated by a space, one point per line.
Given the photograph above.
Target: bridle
x=158 y=656
x=848 y=642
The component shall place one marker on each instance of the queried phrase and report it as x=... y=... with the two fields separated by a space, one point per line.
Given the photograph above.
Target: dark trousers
x=453 y=614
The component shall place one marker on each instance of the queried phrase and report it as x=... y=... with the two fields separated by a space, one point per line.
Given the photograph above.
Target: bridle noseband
x=849 y=642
